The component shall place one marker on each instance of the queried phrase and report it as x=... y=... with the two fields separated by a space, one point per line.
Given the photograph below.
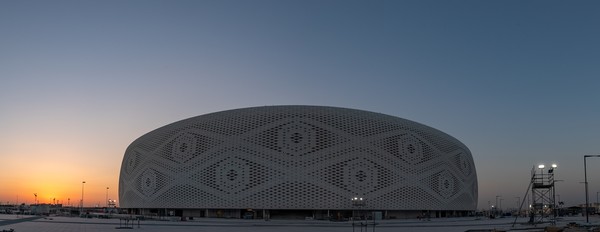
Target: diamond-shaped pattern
x=411 y=149
x=296 y=138
x=297 y=157
x=184 y=147
x=233 y=175
x=360 y=176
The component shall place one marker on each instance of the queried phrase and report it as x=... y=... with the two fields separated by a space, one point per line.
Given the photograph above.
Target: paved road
x=14 y=221
x=68 y=224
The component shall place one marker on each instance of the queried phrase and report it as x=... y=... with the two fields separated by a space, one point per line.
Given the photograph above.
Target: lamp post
x=107 y=197
x=82 y=185
x=587 y=201
x=551 y=171
x=496 y=211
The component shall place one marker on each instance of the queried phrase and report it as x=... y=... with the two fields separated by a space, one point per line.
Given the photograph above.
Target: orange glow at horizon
x=56 y=177
x=59 y=192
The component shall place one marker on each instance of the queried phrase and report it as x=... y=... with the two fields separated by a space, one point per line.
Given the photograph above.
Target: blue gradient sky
x=516 y=81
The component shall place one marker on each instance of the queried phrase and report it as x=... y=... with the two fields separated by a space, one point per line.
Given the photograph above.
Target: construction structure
x=543 y=195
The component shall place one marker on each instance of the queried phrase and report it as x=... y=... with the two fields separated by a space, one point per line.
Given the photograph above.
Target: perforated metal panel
x=297 y=157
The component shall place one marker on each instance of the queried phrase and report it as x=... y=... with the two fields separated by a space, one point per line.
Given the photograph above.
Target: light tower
x=82 y=186
x=542 y=194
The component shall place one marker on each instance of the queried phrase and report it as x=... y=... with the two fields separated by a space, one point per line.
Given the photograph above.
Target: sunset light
x=437 y=108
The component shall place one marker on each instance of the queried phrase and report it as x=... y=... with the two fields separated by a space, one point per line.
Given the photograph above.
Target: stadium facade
x=297 y=161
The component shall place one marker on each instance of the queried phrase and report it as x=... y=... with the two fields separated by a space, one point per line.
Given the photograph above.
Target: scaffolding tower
x=543 y=195
x=543 y=207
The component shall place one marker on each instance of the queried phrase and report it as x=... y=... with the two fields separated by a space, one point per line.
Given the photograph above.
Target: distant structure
x=297 y=162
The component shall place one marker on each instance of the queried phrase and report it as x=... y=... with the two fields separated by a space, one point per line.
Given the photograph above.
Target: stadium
x=297 y=162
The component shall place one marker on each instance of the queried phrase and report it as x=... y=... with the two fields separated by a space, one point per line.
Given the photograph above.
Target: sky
x=516 y=81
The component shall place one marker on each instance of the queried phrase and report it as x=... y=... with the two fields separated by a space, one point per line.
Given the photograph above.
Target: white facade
x=297 y=157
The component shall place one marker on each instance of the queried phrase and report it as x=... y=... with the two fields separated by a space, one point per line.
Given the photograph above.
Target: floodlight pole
x=496 y=210
x=107 y=198
x=587 y=201
x=82 y=185
x=554 y=211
